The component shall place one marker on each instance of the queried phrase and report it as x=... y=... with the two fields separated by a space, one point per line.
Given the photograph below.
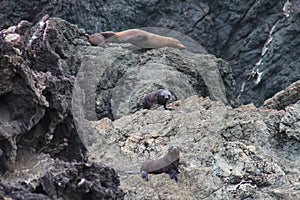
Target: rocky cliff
x=257 y=38
x=70 y=128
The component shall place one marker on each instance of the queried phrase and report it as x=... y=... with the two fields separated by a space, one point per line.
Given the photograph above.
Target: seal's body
x=142 y=39
x=167 y=164
x=160 y=97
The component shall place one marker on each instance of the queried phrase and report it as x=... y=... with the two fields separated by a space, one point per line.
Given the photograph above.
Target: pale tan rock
x=226 y=152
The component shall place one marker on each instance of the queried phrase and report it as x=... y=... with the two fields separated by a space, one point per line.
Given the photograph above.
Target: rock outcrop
x=39 y=70
x=15 y=191
x=284 y=98
x=37 y=176
x=38 y=65
x=226 y=153
x=36 y=88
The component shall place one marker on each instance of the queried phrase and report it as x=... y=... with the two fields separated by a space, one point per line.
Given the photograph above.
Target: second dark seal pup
x=160 y=97
x=167 y=164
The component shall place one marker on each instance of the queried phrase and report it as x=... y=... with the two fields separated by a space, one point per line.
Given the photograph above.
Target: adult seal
x=167 y=164
x=159 y=97
x=142 y=39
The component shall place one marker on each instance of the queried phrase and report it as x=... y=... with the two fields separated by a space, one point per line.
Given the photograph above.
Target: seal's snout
x=167 y=97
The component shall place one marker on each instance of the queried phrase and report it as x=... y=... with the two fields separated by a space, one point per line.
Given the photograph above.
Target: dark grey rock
x=81 y=181
x=36 y=90
x=277 y=66
x=18 y=192
x=235 y=31
x=37 y=176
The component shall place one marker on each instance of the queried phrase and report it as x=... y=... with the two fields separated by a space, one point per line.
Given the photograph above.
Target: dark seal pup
x=167 y=164
x=160 y=97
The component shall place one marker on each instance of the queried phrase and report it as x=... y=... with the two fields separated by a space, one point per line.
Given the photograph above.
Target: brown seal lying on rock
x=160 y=97
x=167 y=164
x=142 y=39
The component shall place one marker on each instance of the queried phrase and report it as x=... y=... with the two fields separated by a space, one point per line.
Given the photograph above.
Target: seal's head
x=163 y=97
x=165 y=93
x=174 y=152
x=96 y=39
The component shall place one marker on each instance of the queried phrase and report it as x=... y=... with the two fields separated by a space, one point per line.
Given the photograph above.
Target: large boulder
x=136 y=73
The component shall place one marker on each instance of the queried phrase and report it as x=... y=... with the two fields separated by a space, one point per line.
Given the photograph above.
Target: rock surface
x=37 y=176
x=259 y=39
x=284 y=98
x=81 y=181
x=15 y=191
x=290 y=123
x=226 y=153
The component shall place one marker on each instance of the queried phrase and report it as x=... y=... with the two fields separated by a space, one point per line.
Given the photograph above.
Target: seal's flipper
x=110 y=37
x=174 y=175
x=145 y=176
x=166 y=108
x=107 y=34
